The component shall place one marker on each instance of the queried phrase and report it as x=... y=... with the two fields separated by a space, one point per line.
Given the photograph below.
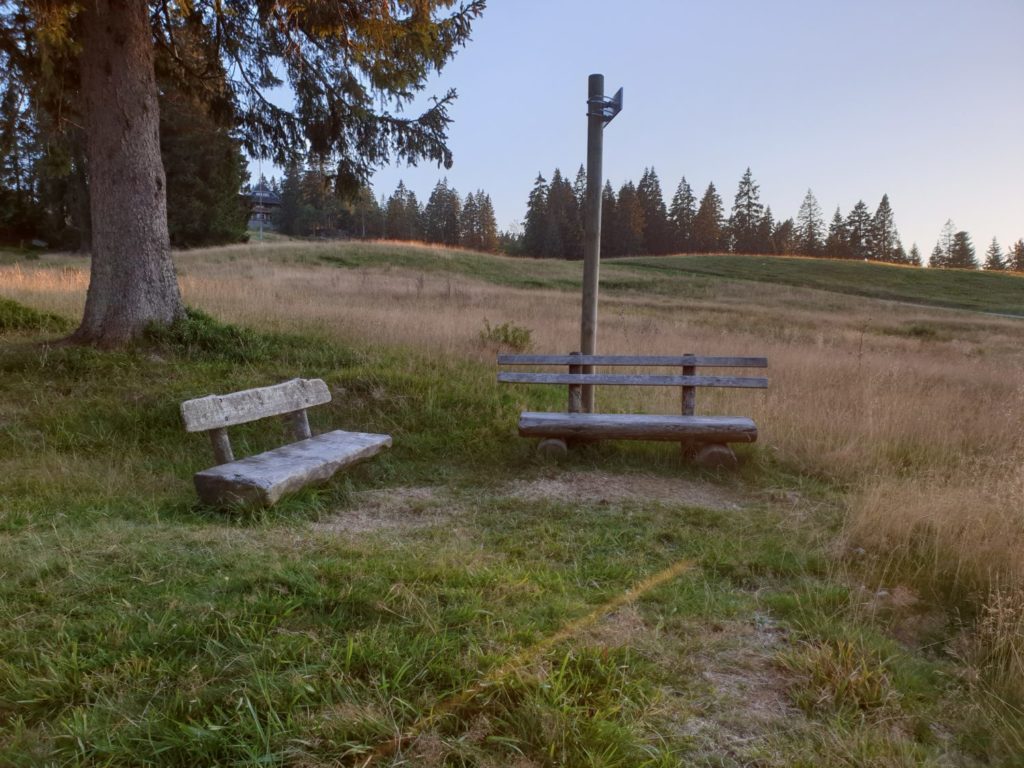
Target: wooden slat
x=265 y=477
x=675 y=361
x=622 y=426
x=638 y=380
x=219 y=411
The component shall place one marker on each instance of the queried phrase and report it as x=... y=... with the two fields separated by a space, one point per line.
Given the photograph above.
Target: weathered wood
x=552 y=448
x=675 y=361
x=217 y=411
x=622 y=426
x=266 y=477
x=689 y=393
x=298 y=424
x=575 y=390
x=221 y=446
x=716 y=456
x=639 y=380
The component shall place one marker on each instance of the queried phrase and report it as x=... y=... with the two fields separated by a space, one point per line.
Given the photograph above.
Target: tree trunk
x=132 y=283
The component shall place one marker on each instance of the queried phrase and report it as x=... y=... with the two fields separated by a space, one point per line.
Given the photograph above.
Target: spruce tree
x=536 y=218
x=1015 y=257
x=401 y=216
x=961 y=255
x=784 y=237
x=810 y=228
x=914 y=259
x=994 y=258
x=942 y=253
x=746 y=215
x=488 y=225
x=288 y=214
x=563 y=231
x=579 y=187
x=858 y=231
x=681 y=215
x=882 y=234
x=205 y=169
x=657 y=233
x=469 y=223
x=835 y=244
x=899 y=254
x=441 y=215
x=629 y=221
x=708 y=235
x=609 y=222
x=765 y=240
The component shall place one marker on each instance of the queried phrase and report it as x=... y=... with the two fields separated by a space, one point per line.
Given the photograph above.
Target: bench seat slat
x=218 y=411
x=623 y=426
x=265 y=477
x=641 y=380
x=673 y=361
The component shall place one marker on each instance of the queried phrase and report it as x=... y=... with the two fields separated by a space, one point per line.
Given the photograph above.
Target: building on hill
x=264 y=203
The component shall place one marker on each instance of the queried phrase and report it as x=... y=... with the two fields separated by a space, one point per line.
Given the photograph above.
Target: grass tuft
x=18 y=317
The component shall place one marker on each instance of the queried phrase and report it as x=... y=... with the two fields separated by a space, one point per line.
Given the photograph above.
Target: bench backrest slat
x=648 y=380
x=218 y=411
x=635 y=360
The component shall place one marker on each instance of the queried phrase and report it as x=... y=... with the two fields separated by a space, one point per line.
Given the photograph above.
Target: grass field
x=853 y=595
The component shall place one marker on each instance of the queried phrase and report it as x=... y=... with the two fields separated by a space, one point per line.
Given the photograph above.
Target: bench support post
x=575 y=390
x=298 y=423
x=689 y=407
x=221 y=446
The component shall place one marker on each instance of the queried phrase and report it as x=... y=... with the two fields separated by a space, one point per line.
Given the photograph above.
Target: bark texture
x=132 y=283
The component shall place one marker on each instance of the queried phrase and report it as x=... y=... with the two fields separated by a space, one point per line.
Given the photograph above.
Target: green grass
x=959 y=289
x=682 y=276
x=139 y=628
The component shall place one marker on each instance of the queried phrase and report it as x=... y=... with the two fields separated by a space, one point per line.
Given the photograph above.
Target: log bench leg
x=715 y=456
x=552 y=448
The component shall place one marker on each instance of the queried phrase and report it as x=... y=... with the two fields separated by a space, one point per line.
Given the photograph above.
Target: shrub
x=515 y=338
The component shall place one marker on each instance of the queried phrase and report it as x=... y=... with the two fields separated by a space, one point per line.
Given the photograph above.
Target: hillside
x=998 y=293
x=1001 y=293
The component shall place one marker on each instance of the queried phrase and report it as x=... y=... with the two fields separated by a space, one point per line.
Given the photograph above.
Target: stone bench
x=266 y=477
x=706 y=439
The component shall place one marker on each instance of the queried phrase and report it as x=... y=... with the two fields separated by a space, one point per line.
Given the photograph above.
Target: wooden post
x=575 y=390
x=592 y=228
x=689 y=393
x=298 y=423
x=221 y=446
x=688 y=447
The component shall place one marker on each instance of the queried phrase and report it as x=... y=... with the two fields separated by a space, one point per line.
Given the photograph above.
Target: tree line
x=636 y=221
x=311 y=207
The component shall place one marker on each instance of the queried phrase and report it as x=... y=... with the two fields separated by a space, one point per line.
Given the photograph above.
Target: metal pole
x=592 y=229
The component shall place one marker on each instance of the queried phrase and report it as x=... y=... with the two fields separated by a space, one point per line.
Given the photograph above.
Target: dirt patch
x=741 y=700
x=601 y=487
x=390 y=509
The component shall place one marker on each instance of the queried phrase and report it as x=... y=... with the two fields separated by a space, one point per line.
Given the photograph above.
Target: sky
x=919 y=99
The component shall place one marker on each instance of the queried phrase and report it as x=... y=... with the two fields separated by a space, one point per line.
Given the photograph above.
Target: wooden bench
x=704 y=438
x=266 y=477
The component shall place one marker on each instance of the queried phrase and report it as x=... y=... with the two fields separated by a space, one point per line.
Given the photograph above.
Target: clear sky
x=920 y=99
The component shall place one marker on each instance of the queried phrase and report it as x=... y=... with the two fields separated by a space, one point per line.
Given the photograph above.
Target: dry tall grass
x=925 y=427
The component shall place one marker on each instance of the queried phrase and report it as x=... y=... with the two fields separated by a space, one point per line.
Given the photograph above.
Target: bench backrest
x=670 y=361
x=219 y=411
x=581 y=373
x=214 y=413
x=687 y=363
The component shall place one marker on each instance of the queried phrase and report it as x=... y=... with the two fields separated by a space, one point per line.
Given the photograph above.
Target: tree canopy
x=354 y=67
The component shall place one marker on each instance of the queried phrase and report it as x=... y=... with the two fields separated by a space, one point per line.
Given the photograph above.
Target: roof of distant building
x=261 y=194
